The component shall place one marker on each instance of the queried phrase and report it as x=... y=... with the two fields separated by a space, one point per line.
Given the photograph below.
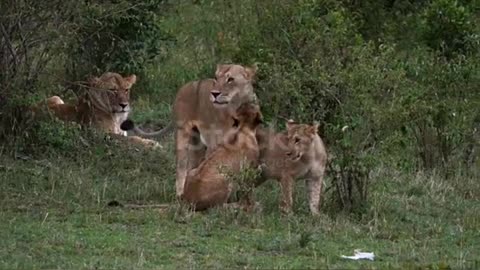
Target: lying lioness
x=286 y=156
x=105 y=105
x=207 y=185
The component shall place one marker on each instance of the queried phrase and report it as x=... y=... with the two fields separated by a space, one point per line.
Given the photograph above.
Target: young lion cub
x=286 y=156
x=207 y=186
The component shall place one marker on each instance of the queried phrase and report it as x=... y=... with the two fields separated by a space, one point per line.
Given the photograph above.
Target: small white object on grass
x=360 y=255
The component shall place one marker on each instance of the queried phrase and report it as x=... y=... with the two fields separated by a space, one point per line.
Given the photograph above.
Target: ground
x=54 y=214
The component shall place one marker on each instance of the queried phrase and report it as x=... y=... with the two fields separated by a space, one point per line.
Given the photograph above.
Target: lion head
x=110 y=92
x=300 y=138
x=233 y=85
x=248 y=115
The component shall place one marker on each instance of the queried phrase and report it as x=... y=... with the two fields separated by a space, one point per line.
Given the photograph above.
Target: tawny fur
x=287 y=156
x=207 y=185
x=105 y=106
x=202 y=115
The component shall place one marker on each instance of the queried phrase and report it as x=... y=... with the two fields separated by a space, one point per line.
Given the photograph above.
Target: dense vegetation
x=394 y=84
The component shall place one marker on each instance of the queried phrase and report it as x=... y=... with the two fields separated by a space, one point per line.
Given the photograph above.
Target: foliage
x=123 y=36
x=31 y=36
x=242 y=182
x=449 y=28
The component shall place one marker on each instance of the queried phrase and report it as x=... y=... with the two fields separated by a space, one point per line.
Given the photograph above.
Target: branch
x=9 y=44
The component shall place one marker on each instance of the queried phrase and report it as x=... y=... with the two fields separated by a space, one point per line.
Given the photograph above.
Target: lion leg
x=314 y=187
x=286 y=184
x=182 y=140
x=196 y=150
x=247 y=201
x=190 y=151
x=152 y=144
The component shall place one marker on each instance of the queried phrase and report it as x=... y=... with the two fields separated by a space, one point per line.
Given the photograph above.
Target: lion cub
x=207 y=185
x=286 y=156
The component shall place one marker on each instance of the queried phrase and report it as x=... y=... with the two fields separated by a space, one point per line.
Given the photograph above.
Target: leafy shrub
x=243 y=182
x=350 y=176
x=54 y=135
x=121 y=36
x=31 y=36
x=448 y=27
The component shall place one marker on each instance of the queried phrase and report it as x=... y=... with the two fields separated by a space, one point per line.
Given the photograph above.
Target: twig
x=9 y=44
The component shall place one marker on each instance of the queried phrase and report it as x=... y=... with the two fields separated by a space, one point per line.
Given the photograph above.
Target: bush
x=449 y=28
x=32 y=36
x=122 y=36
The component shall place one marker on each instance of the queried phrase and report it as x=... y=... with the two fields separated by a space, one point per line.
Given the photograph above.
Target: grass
x=54 y=215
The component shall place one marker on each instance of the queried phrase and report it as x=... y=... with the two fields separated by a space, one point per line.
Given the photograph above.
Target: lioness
x=207 y=185
x=286 y=156
x=105 y=105
x=202 y=115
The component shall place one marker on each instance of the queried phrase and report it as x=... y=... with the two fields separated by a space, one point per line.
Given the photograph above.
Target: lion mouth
x=294 y=158
x=218 y=99
x=121 y=111
x=220 y=102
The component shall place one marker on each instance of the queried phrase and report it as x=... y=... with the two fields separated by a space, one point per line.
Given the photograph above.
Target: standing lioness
x=202 y=114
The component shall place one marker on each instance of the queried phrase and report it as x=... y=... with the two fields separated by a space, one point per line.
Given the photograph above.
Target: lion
x=296 y=153
x=202 y=112
x=207 y=185
x=105 y=105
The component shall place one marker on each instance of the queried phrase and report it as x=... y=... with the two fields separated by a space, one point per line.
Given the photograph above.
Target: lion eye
x=297 y=140
x=236 y=122
x=230 y=80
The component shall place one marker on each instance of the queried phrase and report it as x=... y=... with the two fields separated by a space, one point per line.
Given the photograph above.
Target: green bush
x=121 y=36
x=449 y=27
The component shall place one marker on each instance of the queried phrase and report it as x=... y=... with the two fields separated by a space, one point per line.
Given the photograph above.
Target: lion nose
x=215 y=94
x=123 y=105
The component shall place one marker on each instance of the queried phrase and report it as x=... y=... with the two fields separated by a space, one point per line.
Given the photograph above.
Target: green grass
x=54 y=215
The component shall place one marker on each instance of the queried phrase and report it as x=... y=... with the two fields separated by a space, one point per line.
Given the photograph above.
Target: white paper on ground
x=360 y=256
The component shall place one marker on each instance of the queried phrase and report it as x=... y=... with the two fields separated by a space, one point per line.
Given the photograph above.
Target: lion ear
x=314 y=127
x=131 y=79
x=258 y=119
x=290 y=124
x=222 y=69
x=251 y=71
x=94 y=81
